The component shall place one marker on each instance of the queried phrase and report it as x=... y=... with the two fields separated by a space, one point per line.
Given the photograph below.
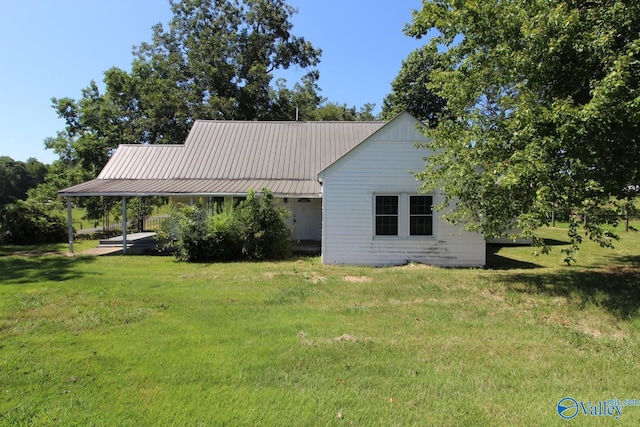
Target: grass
x=79 y=245
x=149 y=341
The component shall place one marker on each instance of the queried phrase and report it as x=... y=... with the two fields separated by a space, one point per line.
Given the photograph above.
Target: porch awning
x=200 y=187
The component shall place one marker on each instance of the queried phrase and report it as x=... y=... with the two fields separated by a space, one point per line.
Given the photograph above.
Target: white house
x=373 y=213
x=348 y=184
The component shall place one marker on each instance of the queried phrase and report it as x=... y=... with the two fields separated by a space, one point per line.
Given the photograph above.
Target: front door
x=307 y=218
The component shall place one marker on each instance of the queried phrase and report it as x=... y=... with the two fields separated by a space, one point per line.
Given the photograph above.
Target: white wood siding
x=382 y=165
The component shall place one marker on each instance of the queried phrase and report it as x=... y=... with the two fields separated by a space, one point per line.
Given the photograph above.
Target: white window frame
x=404 y=216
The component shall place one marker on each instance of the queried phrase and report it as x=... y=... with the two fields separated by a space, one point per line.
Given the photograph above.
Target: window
x=403 y=215
x=386 y=215
x=420 y=216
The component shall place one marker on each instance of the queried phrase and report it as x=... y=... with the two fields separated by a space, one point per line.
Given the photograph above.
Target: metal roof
x=230 y=157
x=202 y=187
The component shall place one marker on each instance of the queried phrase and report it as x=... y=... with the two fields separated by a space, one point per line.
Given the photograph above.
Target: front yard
x=145 y=340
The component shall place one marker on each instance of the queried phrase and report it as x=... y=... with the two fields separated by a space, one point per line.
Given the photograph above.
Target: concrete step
x=132 y=239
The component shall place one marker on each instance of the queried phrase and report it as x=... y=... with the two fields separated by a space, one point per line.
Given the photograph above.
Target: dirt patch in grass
x=35 y=253
x=357 y=279
x=304 y=338
x=414 y=266
x=314 y=277
x=346 y=337
x=492 y=294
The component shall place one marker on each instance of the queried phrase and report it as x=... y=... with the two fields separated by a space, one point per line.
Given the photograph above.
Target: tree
x=411 y=89
x=544 y=98
x=16 y=178
x=223 y=53
x=332 y=111
x=300 y=103
x=25 y=222
x=215 y=60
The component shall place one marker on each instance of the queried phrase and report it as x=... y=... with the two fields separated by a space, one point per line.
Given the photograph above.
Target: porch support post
x=124 y=225
x=69 y=224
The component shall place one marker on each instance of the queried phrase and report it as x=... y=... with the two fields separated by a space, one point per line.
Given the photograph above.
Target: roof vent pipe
x=296 y=114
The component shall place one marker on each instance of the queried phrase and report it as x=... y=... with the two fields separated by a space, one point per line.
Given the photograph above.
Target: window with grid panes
x=386 y=216
x=420 y=215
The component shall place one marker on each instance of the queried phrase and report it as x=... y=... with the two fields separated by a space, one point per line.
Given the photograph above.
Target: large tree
x=215 y=60
x=412 y=91
x=544 y=104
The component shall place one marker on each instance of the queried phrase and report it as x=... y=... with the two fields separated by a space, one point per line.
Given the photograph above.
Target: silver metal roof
x=230 y=157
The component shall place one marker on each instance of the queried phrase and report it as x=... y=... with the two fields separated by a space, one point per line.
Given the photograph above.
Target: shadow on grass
x=555 y=242
x=617 y=289
x=628 y=260
x=33 y=269
x=499 y=262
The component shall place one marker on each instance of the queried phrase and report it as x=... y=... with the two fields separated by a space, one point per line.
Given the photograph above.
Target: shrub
x=223 y=235
x=254 y=230
x=27 y=223
x=264 y=232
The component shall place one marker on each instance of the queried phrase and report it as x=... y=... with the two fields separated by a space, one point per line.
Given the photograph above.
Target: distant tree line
x=24 y=221
x=17 y=178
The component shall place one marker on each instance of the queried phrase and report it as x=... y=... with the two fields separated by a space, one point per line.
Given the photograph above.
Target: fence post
x=124 y=225
x=70 y=224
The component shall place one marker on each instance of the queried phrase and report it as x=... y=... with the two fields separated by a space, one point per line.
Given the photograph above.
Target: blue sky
x=54 y=48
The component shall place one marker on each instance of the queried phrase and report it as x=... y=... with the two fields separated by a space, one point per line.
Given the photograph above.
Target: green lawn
x=143 y=340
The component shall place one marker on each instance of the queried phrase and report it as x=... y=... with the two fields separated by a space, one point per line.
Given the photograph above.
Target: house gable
x=356 y=229
x=401 y=129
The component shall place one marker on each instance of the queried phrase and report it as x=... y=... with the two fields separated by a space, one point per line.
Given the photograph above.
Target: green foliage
x=17 y=178
x=191 y=230
x=301 y=101
x=24 y=223
x=253 y=230
x=263 y=231
x=61 y=173
x=332 y=111
x=412 y=88
x=542 y=112
x=141 y=208
x=215 y=60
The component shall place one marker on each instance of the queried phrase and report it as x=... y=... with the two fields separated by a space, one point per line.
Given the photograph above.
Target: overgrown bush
x=264 y=233
x=25 y=223
x=254 y=230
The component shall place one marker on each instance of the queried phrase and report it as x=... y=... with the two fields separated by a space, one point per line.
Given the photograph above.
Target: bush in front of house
x=263 y=231
x=253 y=230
